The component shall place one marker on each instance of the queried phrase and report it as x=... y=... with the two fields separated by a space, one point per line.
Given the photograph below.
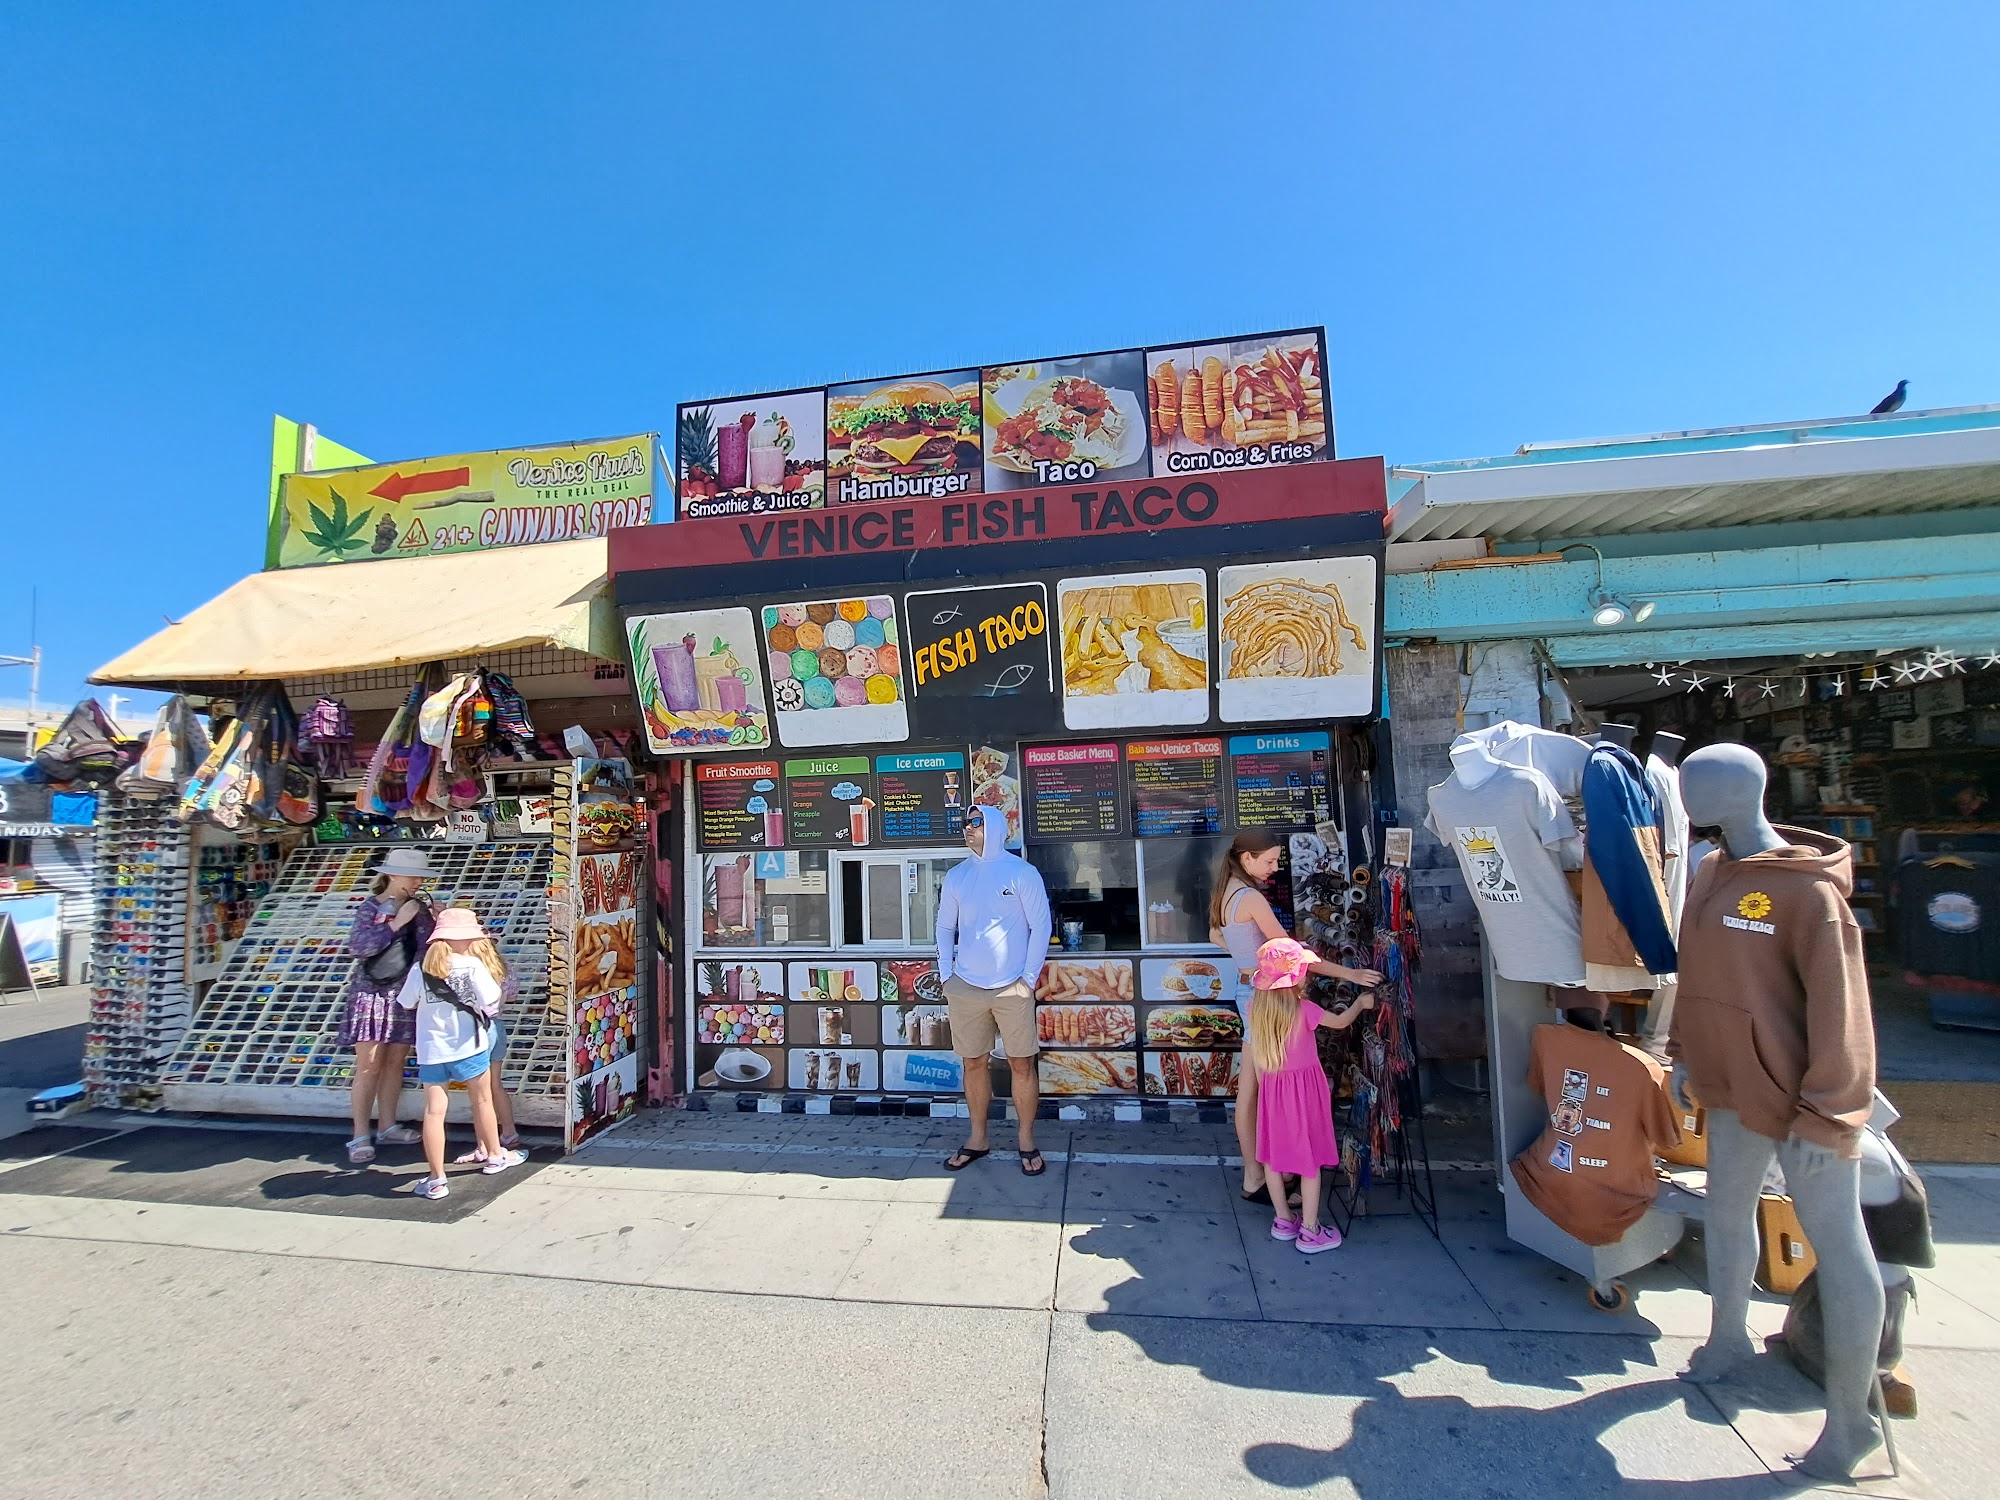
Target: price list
x=1279 y=780
x=922 y=797
x=1073 y=791
x=738 y=805
x=829 y=801
x=1176 y=786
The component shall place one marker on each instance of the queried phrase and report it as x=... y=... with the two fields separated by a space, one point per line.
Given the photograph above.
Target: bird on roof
x=1893 y=401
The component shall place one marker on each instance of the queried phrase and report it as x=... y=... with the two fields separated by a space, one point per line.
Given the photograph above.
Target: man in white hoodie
x=993 y=937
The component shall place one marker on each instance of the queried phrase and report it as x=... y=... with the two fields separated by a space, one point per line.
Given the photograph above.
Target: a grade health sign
x=467 y=502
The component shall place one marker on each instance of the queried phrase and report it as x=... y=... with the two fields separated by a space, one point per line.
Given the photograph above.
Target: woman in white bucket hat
x=379 y=1030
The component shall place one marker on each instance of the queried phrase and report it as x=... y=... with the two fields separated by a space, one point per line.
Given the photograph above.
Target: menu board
x=1279 y=780
x=737 y=805
x=922 y=797
x=829 y=801
x=1073 y=791
x=1176 y=786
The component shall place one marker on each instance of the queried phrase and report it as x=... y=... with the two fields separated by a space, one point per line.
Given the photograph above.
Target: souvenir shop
x=843 y=688
x=496 y=734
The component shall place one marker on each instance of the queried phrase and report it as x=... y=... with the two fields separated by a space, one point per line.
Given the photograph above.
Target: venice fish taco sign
x=467 y=502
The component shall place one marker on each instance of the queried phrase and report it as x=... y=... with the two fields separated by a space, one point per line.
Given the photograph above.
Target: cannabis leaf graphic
x=338 y=534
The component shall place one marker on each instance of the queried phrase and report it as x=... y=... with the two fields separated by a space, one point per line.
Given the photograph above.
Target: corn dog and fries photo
x=1211 y=403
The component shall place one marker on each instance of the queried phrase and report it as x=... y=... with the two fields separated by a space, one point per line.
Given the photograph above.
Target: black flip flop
x=970 y=1156
x=1033 y=1155
x=1262 y=1195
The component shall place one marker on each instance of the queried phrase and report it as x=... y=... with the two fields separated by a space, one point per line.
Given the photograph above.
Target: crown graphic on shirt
x=1480 y=846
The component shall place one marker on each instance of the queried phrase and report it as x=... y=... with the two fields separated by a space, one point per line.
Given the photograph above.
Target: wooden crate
x=1783 y=1256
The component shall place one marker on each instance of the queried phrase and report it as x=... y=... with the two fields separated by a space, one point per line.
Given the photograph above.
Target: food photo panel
x=1295 y=640
x=1191 y=981
x=1070 y=1073
x=699 y=680
x=833 y=1023
x=1192 y=1075
x=928 y=1072
x=836 y=672
x=1135 y=649
x=923 y=1025
x=833 y=1070
x=1066 y=421
x=1244 y=403
x=1087 y=1025
x=739 y=1067
x=917 y=437
x=1086 y=981
x=752 y=457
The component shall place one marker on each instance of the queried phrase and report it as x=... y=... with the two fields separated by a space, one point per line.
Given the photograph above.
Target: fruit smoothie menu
x=739 y=805
x=1073 y=791
x=1176 y=786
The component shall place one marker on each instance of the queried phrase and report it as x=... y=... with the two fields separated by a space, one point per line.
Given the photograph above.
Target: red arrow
x=396 y=488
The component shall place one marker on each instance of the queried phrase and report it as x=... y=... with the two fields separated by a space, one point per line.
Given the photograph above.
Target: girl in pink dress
x=1294 y=1104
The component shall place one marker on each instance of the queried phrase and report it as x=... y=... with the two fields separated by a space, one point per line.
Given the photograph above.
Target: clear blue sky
x=439 y=227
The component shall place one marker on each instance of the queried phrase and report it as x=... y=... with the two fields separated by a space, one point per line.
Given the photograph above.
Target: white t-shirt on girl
x=444 y=1032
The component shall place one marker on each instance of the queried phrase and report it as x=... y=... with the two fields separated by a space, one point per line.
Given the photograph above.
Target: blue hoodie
x=993 y=914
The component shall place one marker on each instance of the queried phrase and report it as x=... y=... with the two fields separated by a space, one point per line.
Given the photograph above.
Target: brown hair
x=1249 y=841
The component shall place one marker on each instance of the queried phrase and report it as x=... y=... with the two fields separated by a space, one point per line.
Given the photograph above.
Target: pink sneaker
x=1312 y=1241
x=1284 y=1229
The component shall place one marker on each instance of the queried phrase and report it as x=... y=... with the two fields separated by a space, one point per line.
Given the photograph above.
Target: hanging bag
x=86 y=748
x=441 y=990
x=392 y=964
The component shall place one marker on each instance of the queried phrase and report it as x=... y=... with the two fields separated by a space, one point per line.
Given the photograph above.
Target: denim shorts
x=464 y=1070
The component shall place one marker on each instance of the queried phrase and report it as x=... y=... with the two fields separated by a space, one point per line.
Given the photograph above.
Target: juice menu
x=1073 y=791
x=1279 y=780
x=738 y=805
x=829 y=801
x=922 y=797
x=1176 y=786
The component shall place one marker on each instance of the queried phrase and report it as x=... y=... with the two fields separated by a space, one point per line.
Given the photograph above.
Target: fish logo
x=1756 y=906
x=1011 y=679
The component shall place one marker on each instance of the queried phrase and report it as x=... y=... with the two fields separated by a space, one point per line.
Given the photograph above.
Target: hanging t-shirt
x=1560 y=757
x=1592 y=1169
x=1674 y=867
x=1506 y=833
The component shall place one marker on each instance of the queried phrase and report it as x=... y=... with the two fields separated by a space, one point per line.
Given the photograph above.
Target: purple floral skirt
x=372 y=1015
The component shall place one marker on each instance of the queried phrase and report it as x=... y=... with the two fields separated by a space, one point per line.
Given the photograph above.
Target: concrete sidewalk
x=738 y=1304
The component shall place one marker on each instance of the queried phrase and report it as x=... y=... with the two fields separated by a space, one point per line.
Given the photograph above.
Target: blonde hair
x=1274 y=1018
x=438 y=957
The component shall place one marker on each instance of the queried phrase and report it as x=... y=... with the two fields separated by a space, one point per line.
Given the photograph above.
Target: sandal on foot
x=433 y=1187
x=360 y=1151
x=471 y=1157
x=1040 y=1166
x=1260 y=1194
x=512 y=1142
x=398 y=1135
x=503 y=1162
x=964 y=1157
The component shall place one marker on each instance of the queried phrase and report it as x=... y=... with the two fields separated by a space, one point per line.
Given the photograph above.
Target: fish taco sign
x=468 y=502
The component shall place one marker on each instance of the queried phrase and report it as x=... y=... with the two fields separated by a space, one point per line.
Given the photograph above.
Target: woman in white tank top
x=1241 y=919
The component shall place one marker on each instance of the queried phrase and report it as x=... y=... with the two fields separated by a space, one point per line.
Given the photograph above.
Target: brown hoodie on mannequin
x=1772 y=1019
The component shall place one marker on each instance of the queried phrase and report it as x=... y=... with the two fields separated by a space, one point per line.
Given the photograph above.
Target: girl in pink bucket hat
x=1294 y=1104
x=456 y=993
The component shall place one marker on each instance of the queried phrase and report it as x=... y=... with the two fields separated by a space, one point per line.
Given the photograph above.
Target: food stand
x=1131 y=671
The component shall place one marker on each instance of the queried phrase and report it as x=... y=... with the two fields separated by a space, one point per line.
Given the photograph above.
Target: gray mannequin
x=1723 y=787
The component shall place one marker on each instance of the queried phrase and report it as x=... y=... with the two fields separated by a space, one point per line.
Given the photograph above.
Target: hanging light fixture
x=1607 y=609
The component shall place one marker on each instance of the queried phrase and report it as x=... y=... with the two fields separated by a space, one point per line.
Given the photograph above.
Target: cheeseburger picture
x=906 y=438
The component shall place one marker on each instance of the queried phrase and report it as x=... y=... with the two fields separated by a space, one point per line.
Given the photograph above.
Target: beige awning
x=351 y=617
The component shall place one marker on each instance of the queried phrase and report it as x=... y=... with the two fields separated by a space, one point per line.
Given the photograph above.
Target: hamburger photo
x=911 y=428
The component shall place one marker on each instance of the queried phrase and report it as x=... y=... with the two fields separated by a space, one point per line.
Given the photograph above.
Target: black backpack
x=86 y=749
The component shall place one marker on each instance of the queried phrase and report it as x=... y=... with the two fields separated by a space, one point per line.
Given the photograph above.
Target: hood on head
x=995 y=823
x=1808 y=852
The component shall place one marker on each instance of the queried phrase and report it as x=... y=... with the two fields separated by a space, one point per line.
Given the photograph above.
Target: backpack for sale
x=392 y=777
x=86 y=748
x=326 y=736
x=511 y=725
x=170 y=755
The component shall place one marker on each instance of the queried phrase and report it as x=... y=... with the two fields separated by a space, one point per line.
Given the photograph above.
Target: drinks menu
x=829 y=801
x=1073 y=791
x=738 y=805
x=1176 y=786
x=922 y=797
x=1279 y=780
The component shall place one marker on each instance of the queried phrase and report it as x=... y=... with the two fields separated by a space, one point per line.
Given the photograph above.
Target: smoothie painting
x=744 y=458
x=700 y=681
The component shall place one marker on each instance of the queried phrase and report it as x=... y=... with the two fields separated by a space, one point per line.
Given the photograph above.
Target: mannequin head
x=1471 y=762
x=1667 y=746
x=1611 y=732
x=1722 y=787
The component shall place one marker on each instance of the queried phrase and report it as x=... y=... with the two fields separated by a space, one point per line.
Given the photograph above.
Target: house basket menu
x=1073 y=791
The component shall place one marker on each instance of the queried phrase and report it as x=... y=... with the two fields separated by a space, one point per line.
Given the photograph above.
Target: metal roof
x=1681 y=482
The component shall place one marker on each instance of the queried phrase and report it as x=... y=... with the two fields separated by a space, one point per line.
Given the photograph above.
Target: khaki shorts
x=977 y=1016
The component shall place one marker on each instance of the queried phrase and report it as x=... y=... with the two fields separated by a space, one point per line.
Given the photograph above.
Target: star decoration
x=1905 y=672
x=1929 y=667
x=1729 y=687
x=1767 y=689
x=1840 y=687
x=1989 y=661
x=1664 y=677
x=1874 y=680
x=1949 y=661
x=1696 y=682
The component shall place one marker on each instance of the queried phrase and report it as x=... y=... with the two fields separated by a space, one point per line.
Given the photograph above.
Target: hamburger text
x=904 y=487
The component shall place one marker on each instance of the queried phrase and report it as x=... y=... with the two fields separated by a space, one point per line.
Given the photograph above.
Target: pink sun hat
x=1282 y=963
x=459 y=924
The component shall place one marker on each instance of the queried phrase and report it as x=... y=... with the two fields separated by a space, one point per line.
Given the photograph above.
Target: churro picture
x=1296 y=640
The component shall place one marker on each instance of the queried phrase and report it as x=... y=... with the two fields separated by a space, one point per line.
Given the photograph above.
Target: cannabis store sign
x=468 y=502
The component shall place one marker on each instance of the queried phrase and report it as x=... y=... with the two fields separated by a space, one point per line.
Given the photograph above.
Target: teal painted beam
x=1694 y=592
x=1964 y=633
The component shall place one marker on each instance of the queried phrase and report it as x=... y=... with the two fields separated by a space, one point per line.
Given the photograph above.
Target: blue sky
x=452 y=226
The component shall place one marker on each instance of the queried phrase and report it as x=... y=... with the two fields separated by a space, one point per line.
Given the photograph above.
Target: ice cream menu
x=922 y=797
x=1279 y=780
x=1176 y=786
x=829 y=801
x=738 y=805
x=1073 y=791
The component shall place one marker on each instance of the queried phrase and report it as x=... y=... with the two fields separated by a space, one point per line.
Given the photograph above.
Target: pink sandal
x=1284 y=1229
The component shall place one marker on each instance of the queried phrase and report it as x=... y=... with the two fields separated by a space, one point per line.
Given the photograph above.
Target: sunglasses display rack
x=142 y=987
x=229 y=880
x=272 y=1018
